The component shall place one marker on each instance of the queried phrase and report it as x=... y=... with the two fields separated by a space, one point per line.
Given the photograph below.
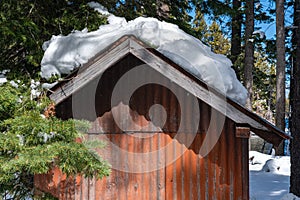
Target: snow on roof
x=65 y=53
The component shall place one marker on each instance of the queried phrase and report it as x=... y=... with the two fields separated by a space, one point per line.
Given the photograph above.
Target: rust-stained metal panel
x=219 y=175
x=166 y=161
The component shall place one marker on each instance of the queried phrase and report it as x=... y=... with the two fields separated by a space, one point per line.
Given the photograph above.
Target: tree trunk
x=280 y=71
x=162 y=9
x=295 y=107
x=236 y=28
x=249 y=51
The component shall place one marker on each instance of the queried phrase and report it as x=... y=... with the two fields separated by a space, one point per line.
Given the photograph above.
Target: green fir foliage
x=32 y=144
x=26 y=25
x=199 y=25
x=215 y=38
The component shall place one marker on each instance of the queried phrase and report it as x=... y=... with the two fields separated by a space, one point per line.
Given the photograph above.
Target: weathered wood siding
x=220 y=175
x=155 y=164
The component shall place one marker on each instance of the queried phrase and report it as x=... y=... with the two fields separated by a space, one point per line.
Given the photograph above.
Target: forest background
x=261 y=38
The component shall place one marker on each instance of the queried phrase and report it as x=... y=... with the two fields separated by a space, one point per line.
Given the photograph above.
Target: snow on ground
x=3 y=78
x=269 y=177
x=65 y=53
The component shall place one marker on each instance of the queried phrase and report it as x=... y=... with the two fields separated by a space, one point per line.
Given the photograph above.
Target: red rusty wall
x=181 y=172
x=216 y=176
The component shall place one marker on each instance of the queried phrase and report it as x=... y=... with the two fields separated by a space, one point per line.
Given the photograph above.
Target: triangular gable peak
x=131 y=45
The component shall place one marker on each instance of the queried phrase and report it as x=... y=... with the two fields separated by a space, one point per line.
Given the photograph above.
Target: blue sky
x=270 y=28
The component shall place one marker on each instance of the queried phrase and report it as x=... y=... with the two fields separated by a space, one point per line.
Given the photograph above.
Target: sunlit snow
x=65 y=53
x=3 y=78
x=261 y=33
x=269 y=177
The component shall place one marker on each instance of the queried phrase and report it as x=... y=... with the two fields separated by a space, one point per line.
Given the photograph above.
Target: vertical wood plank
x=169 y=168
x=77 y=182
x=156 y=160
x=218 y=155
x=245 y=168
x=129 y=161
x=112 y=184
x=118 y=182
x=147 y=148
x=238 y=169
x=224 y=163
x=178 y=169
x=159 y=172
x=203 y=177
x=148 y=181
x=196 y=181
x=140 y=186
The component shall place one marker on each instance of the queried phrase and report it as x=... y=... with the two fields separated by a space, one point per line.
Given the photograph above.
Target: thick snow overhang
x=131 y=45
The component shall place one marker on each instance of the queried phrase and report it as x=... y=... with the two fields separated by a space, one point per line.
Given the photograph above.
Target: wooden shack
x=194 y=146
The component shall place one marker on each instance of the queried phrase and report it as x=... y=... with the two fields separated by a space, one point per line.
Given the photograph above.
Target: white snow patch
x=271 y=165
x=35 y=90
x=257 y=5
x=48 y=86
x=269 y=184
x=3 y=78
x=290 y=196
x=261 y=33
x=14 y=84
x=65 y=53
x=98 y=7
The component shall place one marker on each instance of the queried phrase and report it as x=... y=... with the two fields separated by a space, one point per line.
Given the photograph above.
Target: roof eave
x=130 y=44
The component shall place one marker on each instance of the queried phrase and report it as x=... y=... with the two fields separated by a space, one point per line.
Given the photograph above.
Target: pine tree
x=25 y=25
x=29 y=143
x=295 y=106
x=216 y=40
x=264 y=81
x=175 y=11
x=249 y=52
x=236 y=35
x=32 y=143
x=199 y=25
x=280 y=71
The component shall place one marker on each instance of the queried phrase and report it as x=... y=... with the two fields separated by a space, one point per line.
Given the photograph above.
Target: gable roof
x=131 y=45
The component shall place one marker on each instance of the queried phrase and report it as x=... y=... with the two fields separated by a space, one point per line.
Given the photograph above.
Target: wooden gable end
x=129 y=45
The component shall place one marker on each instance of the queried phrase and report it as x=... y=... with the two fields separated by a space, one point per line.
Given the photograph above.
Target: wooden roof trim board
x=216 y=100
x=90 y=70
x=131 y=45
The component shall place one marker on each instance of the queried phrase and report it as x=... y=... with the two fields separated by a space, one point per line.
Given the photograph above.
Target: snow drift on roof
x=65 y=53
